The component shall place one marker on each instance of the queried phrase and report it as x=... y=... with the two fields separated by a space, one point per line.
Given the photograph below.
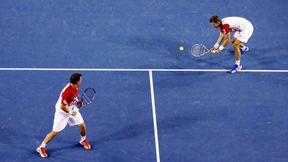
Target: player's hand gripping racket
x=88 y=96
x=198 y=50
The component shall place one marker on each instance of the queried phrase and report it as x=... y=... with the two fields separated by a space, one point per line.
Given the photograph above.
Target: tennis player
x=67 y=112
x=243 y=31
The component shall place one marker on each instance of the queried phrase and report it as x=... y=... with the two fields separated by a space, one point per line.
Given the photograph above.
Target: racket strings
x=198 y=50
x=86 y=99
x=88 y=96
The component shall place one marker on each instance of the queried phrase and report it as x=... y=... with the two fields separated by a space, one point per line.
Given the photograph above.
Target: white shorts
x=61 y=119
x=245 y=35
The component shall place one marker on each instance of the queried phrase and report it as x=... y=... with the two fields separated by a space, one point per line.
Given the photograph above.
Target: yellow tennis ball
x=181 y=48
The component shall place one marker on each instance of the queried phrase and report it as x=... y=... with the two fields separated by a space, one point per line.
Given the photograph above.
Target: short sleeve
x=66 y=98
x=225 y=28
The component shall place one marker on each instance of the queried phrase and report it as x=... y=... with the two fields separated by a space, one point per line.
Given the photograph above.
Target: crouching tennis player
x=243 y=31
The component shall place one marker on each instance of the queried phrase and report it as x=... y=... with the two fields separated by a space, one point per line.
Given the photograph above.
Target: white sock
x=237 y=62
x=243 y=48
x=82 y=139
x=43 y=144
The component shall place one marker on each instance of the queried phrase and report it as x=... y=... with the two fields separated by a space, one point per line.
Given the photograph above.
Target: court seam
x=137 y=70
x=154 y=116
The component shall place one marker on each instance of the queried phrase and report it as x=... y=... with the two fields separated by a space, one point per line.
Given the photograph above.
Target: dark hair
x=75 y=77
x=215 y=19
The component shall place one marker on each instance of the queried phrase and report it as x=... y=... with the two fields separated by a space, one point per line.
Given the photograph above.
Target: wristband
x=221 y=48
x=76 y=109
x=216 y=45
x=73 y=109
x=70 y=112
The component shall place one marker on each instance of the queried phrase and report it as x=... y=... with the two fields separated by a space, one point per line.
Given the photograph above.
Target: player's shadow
x=165 y=51
x=71 y=147
x=145 y=128
x=55 y=151
x=169 y=48
x=264 y=57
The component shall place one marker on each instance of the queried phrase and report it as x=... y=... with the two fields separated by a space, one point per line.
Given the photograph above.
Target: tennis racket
x=198 y=50
x=88 y=96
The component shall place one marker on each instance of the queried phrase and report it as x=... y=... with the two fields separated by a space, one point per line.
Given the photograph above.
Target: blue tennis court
x=154 y=103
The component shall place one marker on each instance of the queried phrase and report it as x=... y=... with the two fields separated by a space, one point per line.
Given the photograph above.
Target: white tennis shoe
x=235 y=69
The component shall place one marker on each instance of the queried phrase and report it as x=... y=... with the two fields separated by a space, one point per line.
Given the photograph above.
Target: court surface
x=154 y=103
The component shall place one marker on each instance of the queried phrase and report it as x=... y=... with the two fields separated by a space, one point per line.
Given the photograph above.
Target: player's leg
x=237 y=53
x=238 y=43
x=83 y=140
x=242 y=46
x=236 y=48
x=78 y=120
x=49 y=137
x=41 y=149
x=60 y=122
x=83 y=129
x=233 y=40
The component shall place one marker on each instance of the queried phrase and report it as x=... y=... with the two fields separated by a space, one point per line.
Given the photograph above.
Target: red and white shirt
x=68 y=96
x=233 y=24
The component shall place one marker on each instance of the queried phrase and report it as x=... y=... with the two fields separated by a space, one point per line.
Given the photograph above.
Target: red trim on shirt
x=225 y=28
x=69 y=95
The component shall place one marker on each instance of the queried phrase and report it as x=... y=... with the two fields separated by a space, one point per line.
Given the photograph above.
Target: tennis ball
x=181 y=48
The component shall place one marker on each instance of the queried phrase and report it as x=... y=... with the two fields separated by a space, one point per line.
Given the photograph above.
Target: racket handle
x=70 y=111
x=76 y=109
x=73 y=109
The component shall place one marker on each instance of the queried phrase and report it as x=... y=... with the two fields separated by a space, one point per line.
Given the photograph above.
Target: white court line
x=138 y=70
x=154 y=116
